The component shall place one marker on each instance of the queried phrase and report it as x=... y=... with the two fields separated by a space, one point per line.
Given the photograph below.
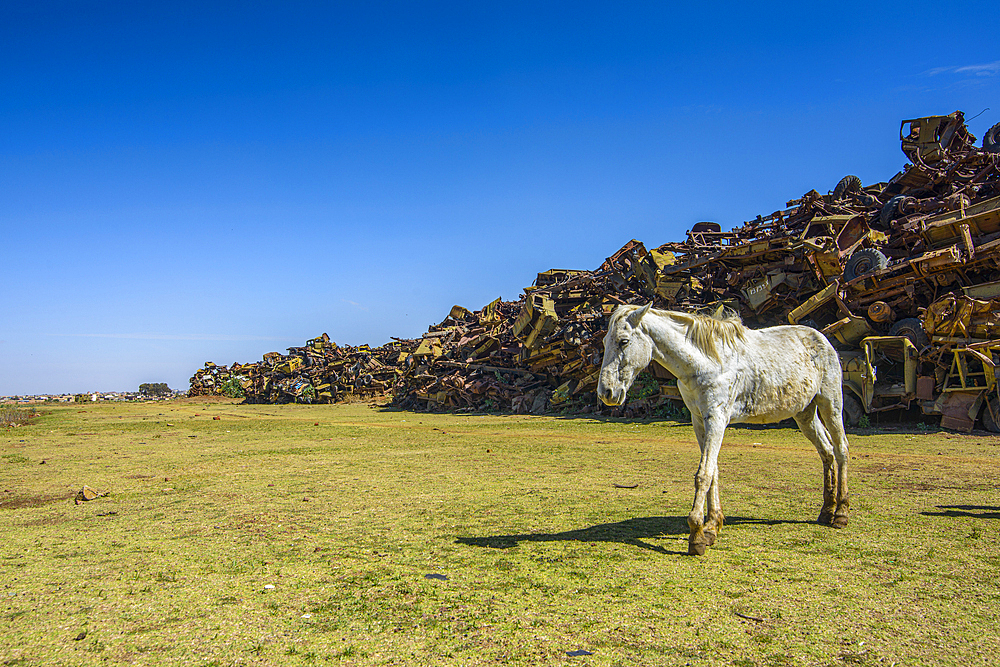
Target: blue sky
x=213 y=181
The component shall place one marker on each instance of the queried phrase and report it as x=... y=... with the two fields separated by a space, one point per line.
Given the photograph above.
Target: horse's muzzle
x=607 y=396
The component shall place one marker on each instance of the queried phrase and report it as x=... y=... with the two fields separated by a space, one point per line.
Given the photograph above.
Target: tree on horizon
x=154 y=388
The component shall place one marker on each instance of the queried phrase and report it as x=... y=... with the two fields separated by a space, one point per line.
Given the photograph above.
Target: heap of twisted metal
x=903 y=276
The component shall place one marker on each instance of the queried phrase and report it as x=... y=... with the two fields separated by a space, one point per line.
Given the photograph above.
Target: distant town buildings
x=89 y=397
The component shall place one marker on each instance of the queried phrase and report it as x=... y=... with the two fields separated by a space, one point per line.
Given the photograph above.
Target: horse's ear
x=636 y=315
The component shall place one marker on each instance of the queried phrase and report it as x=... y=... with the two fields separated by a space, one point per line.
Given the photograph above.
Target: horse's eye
x=623 y=342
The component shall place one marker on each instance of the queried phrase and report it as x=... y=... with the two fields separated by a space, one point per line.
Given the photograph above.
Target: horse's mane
x=706 y=331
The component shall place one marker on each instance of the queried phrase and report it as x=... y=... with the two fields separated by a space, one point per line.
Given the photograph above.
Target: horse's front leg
x=708 y=429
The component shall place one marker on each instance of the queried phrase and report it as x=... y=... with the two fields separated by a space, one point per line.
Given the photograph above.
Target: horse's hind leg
x=715 y=520
x=830 y=411
x=813 y=428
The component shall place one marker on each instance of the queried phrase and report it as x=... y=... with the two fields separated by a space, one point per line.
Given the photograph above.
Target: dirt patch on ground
x=19 y=502
x=917 y=486
x=50 y=520
x=200 y=400
x=883 y=467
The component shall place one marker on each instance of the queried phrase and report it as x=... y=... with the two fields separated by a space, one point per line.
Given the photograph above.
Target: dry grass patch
x=14 y=415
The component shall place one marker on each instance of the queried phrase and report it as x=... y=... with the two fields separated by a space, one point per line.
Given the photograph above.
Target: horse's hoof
x=696 y=548
x=825 y=518
x=709 y=538
x=839 y=521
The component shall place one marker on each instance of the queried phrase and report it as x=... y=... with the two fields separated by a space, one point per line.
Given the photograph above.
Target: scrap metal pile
x=912 y=261
x=318 y=372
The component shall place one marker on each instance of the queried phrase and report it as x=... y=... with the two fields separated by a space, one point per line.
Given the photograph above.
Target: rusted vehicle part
x=847 y=185
x=991 y=140
x=536 y=321
x=882 y=375
x=960 y=316
x=829 y=294
x=880 y=312
x=705 y=234
x=848 y=330
x=930 y=139
x=863 y=262
x=969 y=389
x=912 y=329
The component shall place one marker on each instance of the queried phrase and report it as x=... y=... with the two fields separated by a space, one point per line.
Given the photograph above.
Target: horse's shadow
x=973 y=511
x=631 y=532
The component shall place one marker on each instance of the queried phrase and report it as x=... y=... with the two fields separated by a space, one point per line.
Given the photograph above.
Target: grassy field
x=356 y=535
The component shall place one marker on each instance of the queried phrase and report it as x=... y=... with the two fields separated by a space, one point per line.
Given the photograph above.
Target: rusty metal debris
x=318 y=372
x=903 y=276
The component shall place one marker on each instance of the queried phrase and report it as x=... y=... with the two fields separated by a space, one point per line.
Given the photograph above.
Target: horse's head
x=627 y=351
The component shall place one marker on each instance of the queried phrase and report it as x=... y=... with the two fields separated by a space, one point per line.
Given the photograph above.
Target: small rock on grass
x=87 y=493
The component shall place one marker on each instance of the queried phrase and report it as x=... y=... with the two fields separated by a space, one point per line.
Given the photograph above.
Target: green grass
x=262 y=538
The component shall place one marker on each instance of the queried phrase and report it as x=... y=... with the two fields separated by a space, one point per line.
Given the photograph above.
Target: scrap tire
x=890 y=210
x=912 y=329
x=991 y=140
x=850 y=183
x=852 y=410
x=989 y=423
x=864 y=260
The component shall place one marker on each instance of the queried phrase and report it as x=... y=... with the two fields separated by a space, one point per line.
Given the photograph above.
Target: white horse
x=727 y=373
